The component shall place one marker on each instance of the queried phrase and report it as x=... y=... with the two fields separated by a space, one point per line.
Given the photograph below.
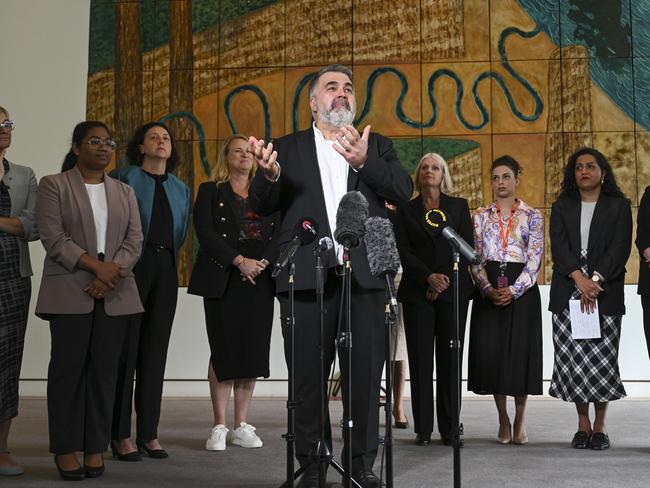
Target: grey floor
x=548 y=461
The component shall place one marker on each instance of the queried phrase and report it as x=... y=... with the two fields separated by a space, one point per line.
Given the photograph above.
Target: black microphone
x=437 y=222
x=350 y=216
x=324 y=244
x=304 y=232
x=383 y=257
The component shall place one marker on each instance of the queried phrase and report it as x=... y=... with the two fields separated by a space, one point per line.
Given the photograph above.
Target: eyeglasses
x=8 y=124
x=97 y=141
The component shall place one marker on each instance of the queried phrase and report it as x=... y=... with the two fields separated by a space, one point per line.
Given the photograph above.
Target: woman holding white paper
x=591 y=238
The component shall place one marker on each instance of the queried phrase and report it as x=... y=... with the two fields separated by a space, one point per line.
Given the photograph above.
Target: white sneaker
x=217 y=439
x=245 y=436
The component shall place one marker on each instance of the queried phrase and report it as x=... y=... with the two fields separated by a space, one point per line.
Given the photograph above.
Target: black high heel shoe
x=132 y=456
x=152 y=453
x=70 y=475
x=93 y=471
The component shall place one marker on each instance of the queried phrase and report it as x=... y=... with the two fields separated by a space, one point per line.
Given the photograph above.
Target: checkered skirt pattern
x=586 y=370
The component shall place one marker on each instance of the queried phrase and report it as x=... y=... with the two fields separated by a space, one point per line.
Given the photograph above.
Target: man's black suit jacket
x=643 y=241
x=610 y=243
x=299 y=193
x=422 y=253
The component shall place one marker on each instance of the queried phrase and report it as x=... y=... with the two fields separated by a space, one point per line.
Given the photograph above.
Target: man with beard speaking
x=306 y=174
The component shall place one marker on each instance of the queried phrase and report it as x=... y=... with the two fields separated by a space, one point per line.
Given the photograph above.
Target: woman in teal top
x=164 y=203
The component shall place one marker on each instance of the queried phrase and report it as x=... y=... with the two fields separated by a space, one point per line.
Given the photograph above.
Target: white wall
x=44 y=57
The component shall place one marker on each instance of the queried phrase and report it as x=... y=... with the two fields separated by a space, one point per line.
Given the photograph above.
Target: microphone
x=350 y=216
x=304 y=232
x=383 y=257
x=324 y=244
x=437 y=222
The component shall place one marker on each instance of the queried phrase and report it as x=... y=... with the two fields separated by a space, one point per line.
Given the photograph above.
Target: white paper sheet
x=584 y=325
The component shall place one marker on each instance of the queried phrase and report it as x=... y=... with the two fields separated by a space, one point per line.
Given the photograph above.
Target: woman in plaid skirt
x=591 y=238
x=17 y=226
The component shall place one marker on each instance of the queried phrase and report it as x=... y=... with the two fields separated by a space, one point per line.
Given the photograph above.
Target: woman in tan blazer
x=90 y=229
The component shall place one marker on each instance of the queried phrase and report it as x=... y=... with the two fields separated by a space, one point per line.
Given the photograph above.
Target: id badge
x=502 y=280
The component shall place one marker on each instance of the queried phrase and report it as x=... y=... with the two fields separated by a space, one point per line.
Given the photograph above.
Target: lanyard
x=506 y=233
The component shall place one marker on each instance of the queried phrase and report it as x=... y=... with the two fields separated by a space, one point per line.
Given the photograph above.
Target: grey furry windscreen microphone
x=438 y=223
x=350 y=217
x=383 y=257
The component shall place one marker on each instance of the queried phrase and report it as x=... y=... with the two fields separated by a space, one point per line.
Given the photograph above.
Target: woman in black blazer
x=426 y=294
x=591 y=238
x=643 y=245
x=230 y=273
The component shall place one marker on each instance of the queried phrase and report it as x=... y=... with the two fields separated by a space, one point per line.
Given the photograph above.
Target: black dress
x=239 y=322
x=15 y=292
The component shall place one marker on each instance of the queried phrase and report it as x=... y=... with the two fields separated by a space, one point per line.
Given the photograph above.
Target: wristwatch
x=595 y=278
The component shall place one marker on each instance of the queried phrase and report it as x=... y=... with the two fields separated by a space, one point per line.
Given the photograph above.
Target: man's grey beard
x=337 y=117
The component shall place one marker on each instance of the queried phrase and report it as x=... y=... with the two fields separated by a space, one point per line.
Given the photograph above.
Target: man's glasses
x=97 y=141
x=8 y=125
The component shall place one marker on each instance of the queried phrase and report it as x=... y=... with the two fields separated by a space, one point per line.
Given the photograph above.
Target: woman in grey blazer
x=17 y=226
x=90 y=228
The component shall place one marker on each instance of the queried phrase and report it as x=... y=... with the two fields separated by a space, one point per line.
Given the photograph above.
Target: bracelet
x=240 y=261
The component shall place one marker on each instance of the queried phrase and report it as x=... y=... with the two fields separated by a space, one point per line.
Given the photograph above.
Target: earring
x=602 y=180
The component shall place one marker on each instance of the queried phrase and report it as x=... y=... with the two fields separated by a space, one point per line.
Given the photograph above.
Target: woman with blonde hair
x=426 y=294
x=230 y=273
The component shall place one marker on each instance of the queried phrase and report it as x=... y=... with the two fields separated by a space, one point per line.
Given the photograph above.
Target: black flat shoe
x=94 y=471
x=448 y=440
x=71 y=475
x=423 y=440
x=152 y=453
x=580 y=440
x=132 y=456
x=599 y=441
x=367 y=479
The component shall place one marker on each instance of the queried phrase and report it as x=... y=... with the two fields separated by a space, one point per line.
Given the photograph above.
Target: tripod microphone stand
x=455 y=345
x=321 y=453
x=390 y=319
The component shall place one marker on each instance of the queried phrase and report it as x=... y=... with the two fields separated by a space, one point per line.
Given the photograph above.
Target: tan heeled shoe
x=505 y=434
x=520 y=439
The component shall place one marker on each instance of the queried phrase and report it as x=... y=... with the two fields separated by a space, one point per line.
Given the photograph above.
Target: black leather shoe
x=423 y=440
x=580 y=440
x=599 y=441
x=309 y=478
x=94 y=471
x=71 y=475
x=367 y=479
x=448 y=440
x=152 y=453
x=132 y=456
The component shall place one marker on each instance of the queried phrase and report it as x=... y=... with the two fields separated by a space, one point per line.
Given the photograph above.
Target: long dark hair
x=135 y=157
x=78 y=134
x=570 y=186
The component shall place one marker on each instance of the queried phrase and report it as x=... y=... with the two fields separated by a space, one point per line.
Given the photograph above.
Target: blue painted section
x=625 y=80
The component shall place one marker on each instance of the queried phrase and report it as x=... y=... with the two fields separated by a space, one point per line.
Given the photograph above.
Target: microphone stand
x=290 y=436
x=345 y=343
x=455 y=345
x=390 y=318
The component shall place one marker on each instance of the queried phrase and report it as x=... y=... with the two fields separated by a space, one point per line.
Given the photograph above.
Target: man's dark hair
x=336 y=68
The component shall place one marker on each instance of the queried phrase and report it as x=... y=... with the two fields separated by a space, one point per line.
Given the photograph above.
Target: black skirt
x=239 y=326
x=505 y=345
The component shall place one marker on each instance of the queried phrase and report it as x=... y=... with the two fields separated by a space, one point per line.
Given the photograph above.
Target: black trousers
x=145 y=348
x=645 y=303
x=367 y=366
x=430 y=326
x=81 y=379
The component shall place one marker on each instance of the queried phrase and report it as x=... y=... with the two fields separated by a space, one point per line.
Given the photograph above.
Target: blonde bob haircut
x=220 y=171
x=447 y=185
